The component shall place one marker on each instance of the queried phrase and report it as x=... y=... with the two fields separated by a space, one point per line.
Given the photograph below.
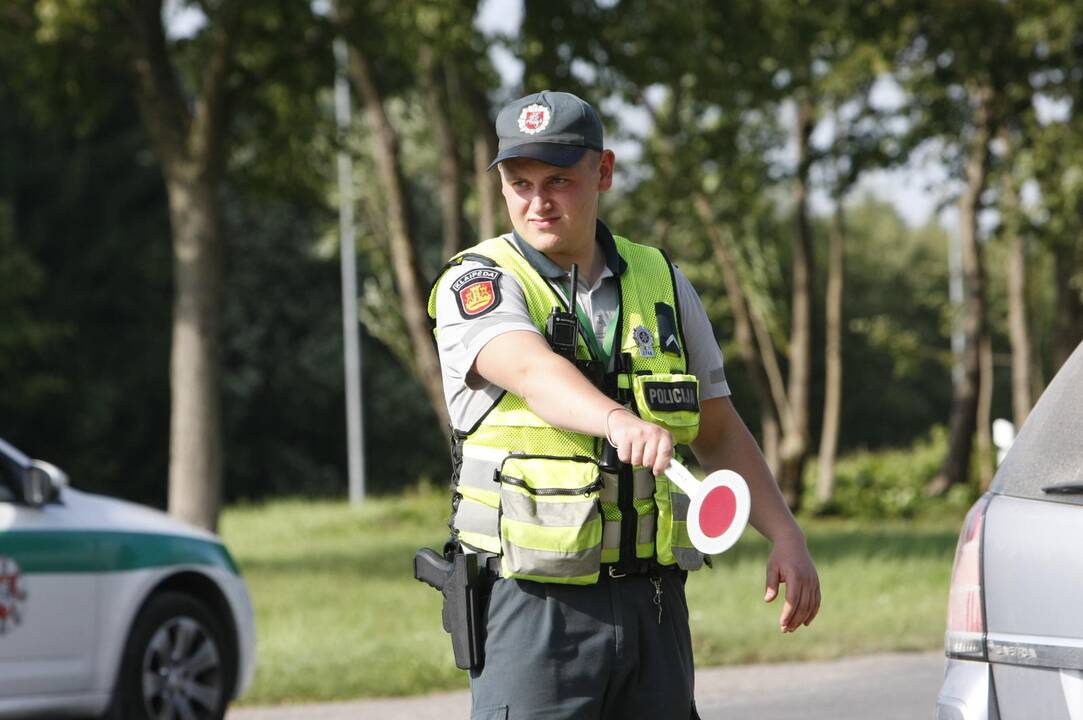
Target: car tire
x=176 y=664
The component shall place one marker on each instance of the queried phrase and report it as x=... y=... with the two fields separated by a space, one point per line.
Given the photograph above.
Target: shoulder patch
x=477 y=292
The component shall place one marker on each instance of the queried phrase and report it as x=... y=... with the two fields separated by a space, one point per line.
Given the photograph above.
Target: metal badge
x=645 y=340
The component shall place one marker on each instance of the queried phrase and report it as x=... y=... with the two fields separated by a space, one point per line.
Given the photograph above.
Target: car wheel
x=176 y=665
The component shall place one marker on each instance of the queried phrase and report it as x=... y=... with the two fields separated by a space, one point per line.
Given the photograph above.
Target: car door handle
x=1068 y=489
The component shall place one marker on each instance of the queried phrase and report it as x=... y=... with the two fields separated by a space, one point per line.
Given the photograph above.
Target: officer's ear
x=606 y=162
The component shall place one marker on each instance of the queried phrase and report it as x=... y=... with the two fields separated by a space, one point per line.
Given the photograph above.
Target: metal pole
x=348 y=253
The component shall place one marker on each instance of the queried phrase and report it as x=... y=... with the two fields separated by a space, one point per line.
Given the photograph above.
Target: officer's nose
x=539 y=202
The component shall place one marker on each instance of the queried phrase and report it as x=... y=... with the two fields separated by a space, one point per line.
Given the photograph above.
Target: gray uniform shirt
x=461 y=335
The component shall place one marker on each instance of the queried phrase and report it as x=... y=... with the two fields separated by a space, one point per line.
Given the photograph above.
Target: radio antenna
x=572 y=302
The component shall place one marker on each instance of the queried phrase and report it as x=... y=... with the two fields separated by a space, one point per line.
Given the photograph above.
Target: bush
x=890 y=483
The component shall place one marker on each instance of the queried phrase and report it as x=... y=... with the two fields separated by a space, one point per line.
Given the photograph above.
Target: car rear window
x=1049 y=449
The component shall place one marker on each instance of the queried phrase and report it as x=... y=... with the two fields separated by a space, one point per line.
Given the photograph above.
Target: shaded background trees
x=745 y=132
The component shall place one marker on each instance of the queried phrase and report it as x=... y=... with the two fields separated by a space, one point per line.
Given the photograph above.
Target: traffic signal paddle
x=719 y=510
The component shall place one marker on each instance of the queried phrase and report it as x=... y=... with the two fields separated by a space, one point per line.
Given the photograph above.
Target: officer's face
x=554 y=208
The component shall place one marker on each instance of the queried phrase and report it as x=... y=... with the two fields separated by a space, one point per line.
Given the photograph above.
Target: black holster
x=459 y=580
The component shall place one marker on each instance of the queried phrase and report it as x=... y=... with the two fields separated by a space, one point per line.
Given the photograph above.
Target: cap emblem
x=534 y=118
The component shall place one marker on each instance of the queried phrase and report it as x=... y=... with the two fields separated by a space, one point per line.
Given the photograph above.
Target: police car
x=111 y=608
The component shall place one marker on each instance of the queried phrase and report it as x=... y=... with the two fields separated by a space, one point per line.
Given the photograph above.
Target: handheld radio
x=562 y=327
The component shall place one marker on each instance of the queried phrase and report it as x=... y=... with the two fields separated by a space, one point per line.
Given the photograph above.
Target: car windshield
x=12 y=463
x=1048 y=450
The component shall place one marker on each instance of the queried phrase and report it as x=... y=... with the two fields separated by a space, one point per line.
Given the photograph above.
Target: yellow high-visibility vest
x=534 y=493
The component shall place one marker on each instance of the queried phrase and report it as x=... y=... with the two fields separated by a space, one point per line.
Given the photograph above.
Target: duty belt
x=639 y=567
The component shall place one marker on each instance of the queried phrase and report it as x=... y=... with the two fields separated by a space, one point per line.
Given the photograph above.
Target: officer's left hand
x=791 y=563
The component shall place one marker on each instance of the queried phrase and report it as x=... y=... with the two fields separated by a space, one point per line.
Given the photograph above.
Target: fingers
x=816 y=599
x=640 y=443
x=790 y=563
x=802 y=603
x=657 y=455
x=773 y=579
x=657 y=451
x=663 y=455
x=787 y=613
x=797 y=601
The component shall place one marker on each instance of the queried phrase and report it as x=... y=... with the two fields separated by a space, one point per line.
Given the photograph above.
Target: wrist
x=608 y=422
x=791 y=536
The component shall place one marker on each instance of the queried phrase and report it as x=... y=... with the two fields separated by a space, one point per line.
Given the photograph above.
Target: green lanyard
x=600 y=352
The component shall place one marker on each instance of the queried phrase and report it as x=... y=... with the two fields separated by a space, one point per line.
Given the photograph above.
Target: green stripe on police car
x=99 y=551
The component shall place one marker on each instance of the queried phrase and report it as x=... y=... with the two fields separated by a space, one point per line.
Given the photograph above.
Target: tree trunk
x=195 y=442
x=451 y=194
x=189 y=140
x=487 y=181
x=1068 y=312
x=964 y=405
x=412 y=291
x=1022 y=360
x=484 y=152
x=771 y=437
x=1037 y=376
x=829 y=437
x=751 y=354
x=795 y=437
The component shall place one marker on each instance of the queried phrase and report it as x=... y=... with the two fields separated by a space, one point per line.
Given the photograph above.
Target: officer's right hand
x=640 y=443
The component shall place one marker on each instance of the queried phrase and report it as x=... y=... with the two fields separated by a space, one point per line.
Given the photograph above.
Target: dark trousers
x=595 y=652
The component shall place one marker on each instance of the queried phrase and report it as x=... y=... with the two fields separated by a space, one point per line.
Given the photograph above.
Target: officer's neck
x=590 y=262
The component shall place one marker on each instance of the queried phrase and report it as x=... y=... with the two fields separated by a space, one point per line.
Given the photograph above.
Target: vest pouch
x=672 y=544
x=550 y=519
x=670 y=400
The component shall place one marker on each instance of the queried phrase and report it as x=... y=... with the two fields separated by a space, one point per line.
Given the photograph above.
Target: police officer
x=588 y=618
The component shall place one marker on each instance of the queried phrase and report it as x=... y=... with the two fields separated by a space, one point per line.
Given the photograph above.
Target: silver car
x=1015 y=618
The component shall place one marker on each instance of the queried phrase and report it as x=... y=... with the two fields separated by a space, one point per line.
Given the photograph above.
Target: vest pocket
x=550 y=521
x=670 y=400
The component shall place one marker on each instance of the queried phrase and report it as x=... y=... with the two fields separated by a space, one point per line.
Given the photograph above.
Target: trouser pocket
x=550 y=521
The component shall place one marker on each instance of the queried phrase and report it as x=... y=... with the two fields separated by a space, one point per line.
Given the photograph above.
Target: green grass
x=884 y=585
x=339 y=615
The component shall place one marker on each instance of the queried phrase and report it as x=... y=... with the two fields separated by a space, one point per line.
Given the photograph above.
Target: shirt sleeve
x=704 y=353
x=474 y=304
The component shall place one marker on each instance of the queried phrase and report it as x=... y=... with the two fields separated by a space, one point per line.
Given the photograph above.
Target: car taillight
x=965 y=637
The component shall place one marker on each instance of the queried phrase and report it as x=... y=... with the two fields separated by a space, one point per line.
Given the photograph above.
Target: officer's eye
x=558 y=181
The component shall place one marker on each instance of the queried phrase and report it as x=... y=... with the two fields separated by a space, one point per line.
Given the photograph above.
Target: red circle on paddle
x=717 y=511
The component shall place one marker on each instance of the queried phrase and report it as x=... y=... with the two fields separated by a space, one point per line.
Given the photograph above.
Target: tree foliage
x=704 y=101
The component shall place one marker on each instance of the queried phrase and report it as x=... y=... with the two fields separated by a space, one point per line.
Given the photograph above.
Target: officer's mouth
x=544 y=222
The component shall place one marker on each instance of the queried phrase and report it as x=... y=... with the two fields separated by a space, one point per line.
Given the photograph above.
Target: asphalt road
x=900 y=686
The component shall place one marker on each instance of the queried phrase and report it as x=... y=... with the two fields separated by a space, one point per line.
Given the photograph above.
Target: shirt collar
x=549 y=269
